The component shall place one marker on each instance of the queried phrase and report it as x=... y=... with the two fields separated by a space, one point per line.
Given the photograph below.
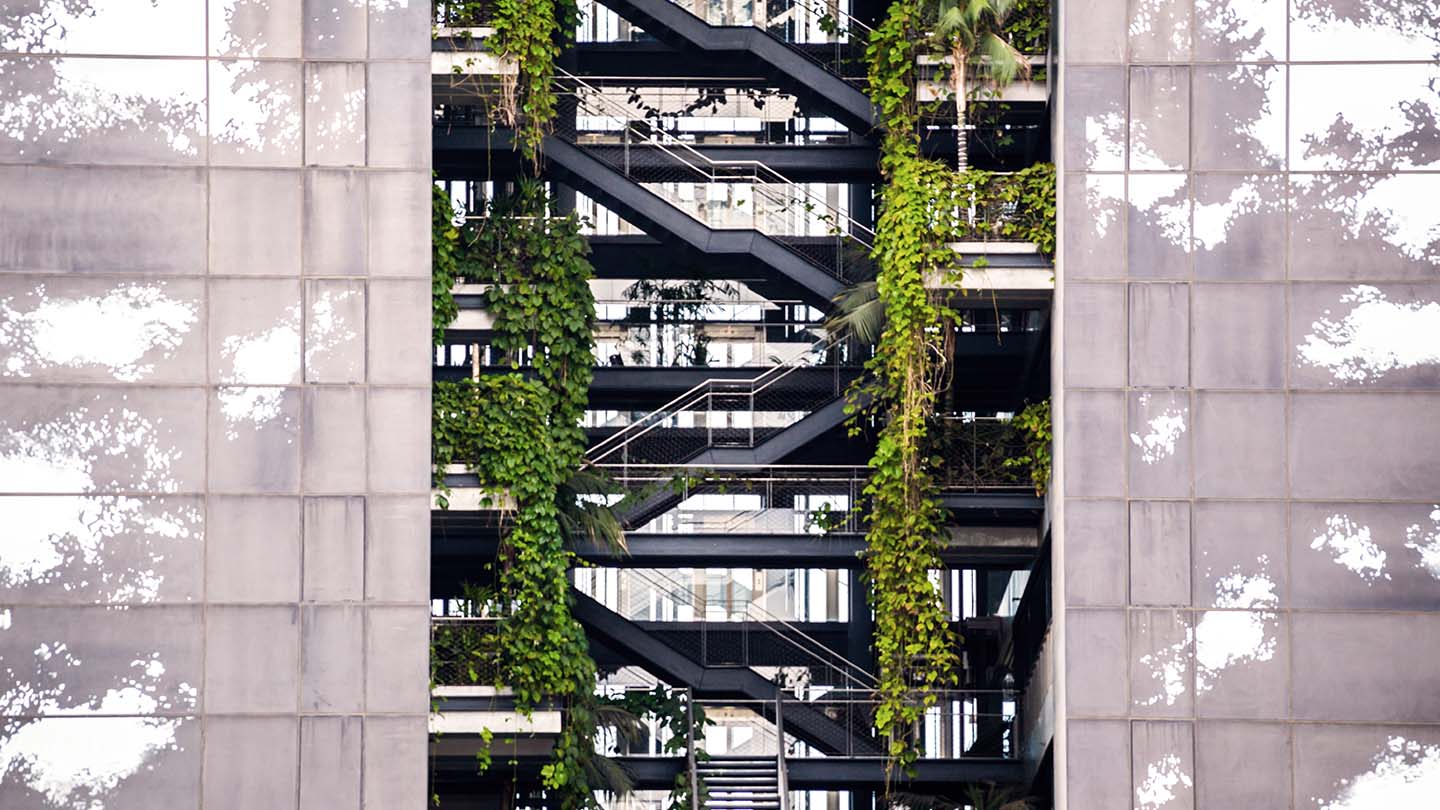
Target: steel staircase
x=791 y=387
x=657 y=438
x=637 y=169
x=827 y=74
x=742 y=783
x=719 y=671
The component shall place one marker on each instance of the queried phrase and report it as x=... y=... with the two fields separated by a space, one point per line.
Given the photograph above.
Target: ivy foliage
x=1034 y=424
x=520 y=433
x=1028 y=26
x=501 y=427
x=1017 y=206
x=444 y=263
x=681 y=724
x=915 y=647
x=531 y=33
x=539 y=296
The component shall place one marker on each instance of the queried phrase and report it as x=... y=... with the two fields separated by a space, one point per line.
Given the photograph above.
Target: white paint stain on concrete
x=1169 y=671
x=1375 y=337
x=1241 y=630
x=62 y=455
x=122 y=331
x=1425 y=541
x=1163 y=431
x=1213 y=220
x=1105 y=134
x=71 y=541
x=1163 y=197
x=1350 y=546
x=1405 y=773
x=76 y=765
x=1164 y=781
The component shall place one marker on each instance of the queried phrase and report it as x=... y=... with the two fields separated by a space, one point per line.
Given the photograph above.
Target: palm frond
x=860 y=311
x=582 y=502
x=1005 y=62
x=604 y=773
x=626 y=723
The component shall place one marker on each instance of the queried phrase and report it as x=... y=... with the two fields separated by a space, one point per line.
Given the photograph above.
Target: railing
x=779 y=389
x=997 y=207
x=462 y=651
x=963 y=724
x=1032 y=620
x=697 y=343
x=819 y=30
x=464 y=14
x=976 y=453
x=792 y=499
x=685 y=109
x=793 y=658
x=672 y=169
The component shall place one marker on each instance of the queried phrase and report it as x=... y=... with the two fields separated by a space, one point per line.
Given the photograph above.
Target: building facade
x=225 y=581
x=213 y=281
x=1248 y=298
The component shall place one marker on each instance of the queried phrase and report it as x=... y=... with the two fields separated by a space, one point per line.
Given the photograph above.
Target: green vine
x=521 y=434
x=444 y=263
x=540 y=299
x=915 y=647
x=1034 y=424
x=1028 y=26
x=1026 y=197
x=668 y=708
x=531 y=33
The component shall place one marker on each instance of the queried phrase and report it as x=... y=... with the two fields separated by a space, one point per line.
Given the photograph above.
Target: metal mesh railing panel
x=462 y=651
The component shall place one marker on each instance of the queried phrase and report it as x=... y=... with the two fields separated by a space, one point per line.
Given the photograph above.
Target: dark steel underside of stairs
x=785 y=65
x=738 y=682
x=576 y=167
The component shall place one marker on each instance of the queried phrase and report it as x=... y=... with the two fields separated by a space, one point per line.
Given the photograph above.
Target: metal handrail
x=781 y=777
x=691 y=765
x=715 y=170
x=859 y=708
x=852 y=671
x=699 y=392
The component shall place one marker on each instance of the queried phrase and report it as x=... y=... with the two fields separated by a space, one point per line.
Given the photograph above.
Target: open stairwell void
x=637 y=171
x=723 y=422
x=810 y=49
x=715 y=670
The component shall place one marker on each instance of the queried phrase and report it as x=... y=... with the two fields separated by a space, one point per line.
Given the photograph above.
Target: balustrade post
x=690 y=749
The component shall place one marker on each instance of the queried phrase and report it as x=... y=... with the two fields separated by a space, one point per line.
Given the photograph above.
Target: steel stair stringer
x=789 y=68
x=771 y=451
x=660 y=219
x=677 y=669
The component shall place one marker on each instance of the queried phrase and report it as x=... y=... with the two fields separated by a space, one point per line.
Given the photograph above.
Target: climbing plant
x=1034 y=424
x=1010 y=206
x=530 y=34
x=1028 y=26
x=681 y=720
x=501 y=428
x=915 y=647
x=444 y=263
x=538 y=273
x=521 y=434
